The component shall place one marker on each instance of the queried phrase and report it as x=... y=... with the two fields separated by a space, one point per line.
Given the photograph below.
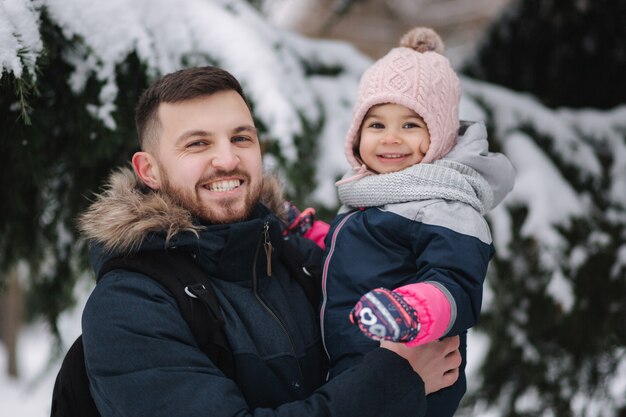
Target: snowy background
x=302 y=88
x=31 y=394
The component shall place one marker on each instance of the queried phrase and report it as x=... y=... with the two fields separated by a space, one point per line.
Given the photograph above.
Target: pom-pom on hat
x=416 y=75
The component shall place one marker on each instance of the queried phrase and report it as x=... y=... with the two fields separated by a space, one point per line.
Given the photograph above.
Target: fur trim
x=272 y=196
x=126 y=211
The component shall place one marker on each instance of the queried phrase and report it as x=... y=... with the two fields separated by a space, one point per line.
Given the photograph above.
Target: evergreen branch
x=22 y=92
x=25 y=85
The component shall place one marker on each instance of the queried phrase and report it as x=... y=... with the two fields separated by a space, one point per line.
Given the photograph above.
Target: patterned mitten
x=385 y=315
x=298 y=223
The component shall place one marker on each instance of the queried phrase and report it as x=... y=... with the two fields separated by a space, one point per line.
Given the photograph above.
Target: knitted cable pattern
x=417 y=76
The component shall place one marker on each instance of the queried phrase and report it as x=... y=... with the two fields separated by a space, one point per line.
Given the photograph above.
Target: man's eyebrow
x=190 y=133
x=203 y=133
x=245 y=128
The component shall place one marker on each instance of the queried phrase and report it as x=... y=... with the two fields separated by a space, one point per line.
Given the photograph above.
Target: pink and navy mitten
x=304 y=224
x=385 y=315
x=298 y=223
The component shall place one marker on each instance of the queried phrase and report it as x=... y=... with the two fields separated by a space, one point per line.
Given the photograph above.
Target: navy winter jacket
x=142 y=359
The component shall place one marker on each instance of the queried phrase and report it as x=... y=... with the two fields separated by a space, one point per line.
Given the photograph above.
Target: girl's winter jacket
x=420 y=231
x=142 y=359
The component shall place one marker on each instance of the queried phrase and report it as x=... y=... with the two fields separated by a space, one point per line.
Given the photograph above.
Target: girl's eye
x=410 y=125
x=376 y=125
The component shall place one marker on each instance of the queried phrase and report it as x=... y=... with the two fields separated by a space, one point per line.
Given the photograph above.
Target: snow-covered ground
x=30 y=395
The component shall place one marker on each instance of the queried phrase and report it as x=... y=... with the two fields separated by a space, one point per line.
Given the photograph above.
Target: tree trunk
x=11 y=306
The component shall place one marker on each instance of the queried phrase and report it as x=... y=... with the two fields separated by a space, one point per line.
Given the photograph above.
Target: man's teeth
x=222 y=186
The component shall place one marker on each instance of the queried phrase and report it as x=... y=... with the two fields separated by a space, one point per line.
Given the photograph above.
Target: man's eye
x=196 y=143
x=240 y=139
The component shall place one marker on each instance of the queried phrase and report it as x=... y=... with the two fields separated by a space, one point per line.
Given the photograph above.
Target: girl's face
x=393 y=137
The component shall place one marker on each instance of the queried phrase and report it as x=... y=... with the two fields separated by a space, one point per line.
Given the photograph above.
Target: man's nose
x=225 y=158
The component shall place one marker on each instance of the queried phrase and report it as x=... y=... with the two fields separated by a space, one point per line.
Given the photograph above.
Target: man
x=196 y=190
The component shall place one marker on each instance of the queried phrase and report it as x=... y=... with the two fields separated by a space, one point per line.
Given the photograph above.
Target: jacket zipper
x=267 y=245
x=331 y=249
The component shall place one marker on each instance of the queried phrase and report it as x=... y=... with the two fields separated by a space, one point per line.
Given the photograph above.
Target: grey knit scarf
x=443 y=179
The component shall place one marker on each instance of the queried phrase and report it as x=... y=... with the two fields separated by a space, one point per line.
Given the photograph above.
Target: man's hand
x=437 y=363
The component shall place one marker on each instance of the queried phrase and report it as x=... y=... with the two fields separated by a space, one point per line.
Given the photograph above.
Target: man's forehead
x=222 y=107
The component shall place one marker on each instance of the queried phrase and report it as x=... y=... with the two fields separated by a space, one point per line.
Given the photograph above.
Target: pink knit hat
x=416 y=75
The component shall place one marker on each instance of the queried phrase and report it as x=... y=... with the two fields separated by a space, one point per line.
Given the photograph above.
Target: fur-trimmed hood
x=122 y=216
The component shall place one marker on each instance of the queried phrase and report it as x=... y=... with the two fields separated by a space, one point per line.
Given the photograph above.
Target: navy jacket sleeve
x=453 y=246
x=142 y=360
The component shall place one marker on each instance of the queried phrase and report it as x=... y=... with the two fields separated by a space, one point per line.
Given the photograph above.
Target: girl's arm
x=453 y=247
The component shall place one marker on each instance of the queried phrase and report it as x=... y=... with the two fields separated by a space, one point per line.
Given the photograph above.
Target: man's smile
x=221 y=186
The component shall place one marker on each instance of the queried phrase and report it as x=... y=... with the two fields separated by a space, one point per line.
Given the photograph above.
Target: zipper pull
x=268 y=248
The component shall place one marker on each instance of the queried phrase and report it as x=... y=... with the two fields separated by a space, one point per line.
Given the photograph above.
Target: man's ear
x=147 y=170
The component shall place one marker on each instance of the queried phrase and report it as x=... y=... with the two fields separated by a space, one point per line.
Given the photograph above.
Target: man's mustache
x=222 y=174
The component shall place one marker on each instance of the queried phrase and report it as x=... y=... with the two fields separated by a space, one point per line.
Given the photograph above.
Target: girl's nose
x=391 y=137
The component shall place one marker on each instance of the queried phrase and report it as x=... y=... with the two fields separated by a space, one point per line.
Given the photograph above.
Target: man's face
x=208 y=156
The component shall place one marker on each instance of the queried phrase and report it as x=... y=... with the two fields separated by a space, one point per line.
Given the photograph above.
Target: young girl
x=412 y=220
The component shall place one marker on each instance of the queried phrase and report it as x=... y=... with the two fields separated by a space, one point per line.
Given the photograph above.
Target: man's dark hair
x=182 y=85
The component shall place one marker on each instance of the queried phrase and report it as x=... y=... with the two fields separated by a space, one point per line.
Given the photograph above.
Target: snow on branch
x=20 y=43
x=279 y=70
x=570 y=164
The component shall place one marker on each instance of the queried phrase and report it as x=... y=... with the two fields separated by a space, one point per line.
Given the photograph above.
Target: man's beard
x=221 y=211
